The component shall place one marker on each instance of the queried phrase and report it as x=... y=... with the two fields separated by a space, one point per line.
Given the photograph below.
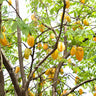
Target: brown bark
x=17 y=76
x=20 y=49
x=2 y=93
x=24 y=92
x=65 y=40
x=12 y=74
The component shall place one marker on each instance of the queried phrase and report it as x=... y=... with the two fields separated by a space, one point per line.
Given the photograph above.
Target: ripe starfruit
x=94 y=94
x=27 y=52
x=3 y=40
x=80 y=91
x=33 y=16
x=34 y=19
x=67 y=4
x=52 y=36
x=31 y=94
x=82 y=1
x=33 y=75
x=94 y=38
x=41 y=27
x=81 y=27
x=47 y=72
x=61 y=71
x=30 y=40
x=77 y=79
x=79 y=53
x=61 y=46
x=73 y=51
x=50 y=77
x=39 y=45
x=54 y=55
x=45 y=46
x=17 y=69
x=85 y=22
x=68 y=19
x=64 y=92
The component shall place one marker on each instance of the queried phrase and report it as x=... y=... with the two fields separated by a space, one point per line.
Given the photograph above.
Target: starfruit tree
x=51 y=52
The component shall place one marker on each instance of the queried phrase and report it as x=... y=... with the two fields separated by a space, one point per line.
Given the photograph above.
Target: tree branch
x=12 y=74
x=72 y=90
x=51 y=28
x=32 y=56
x=1 y=62
x=40 y=63
x=15 y=10
x=61 y=63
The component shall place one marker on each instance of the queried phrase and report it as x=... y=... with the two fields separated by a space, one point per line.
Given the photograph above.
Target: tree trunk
x=17 y=76
x=2 y=93
x=12 y=74
x=24 y=92
x=20 y=48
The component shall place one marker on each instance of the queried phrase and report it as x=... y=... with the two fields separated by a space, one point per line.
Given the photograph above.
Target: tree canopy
x=52 y=52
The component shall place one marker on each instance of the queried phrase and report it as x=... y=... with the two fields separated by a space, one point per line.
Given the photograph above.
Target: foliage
x=45 y=20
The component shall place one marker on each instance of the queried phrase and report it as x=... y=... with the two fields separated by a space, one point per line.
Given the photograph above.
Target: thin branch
x=32 y=56
x=15 y=10
x=61 y=63
x=72 y=90
x=37 y=66
x=24 y=44
x=51 y=28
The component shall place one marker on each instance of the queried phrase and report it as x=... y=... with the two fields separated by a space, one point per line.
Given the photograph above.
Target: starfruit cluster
x=76 y=25
x=34 y=19
x=30 y=42
x=77 y=79
x=41 y=27
x=60 y=48
x=51 y=71
x=68 y=19
x=78 y=52
x=30 y=93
